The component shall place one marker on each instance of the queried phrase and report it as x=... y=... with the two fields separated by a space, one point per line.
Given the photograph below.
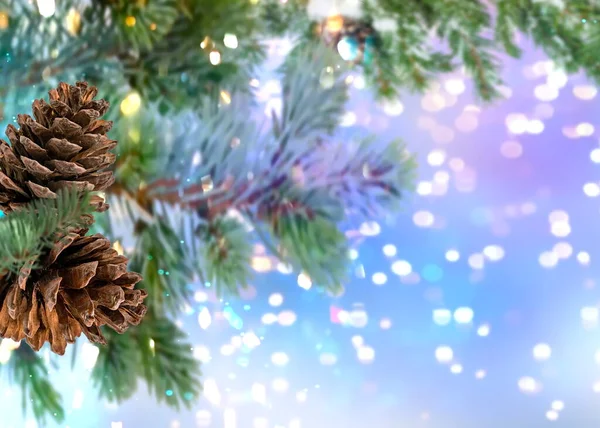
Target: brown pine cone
x=63 y=146
x=79 y=285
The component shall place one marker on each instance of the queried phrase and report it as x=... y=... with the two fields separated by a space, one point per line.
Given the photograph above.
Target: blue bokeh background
x=368 y=358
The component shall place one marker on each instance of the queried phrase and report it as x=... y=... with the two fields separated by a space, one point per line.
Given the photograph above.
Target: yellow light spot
x=118 y=247
x=205 y=42
x=73 y=22
x=131 y=104
x=134 y=134
x=130 y=21
x=225 y=97
x=261 y=264
x=153 y=26
x=334 y=24
x=3 y=21
x=215 y=57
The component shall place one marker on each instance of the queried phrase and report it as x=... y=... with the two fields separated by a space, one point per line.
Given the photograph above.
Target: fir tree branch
x=24 y=234
x=27 y=369
x=116 y=371
x=166 y=362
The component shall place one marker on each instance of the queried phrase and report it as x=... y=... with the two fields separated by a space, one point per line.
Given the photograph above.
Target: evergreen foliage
x=198 y=182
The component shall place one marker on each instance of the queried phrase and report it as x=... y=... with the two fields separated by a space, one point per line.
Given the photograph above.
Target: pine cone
x=64 y=146
x=79 y=285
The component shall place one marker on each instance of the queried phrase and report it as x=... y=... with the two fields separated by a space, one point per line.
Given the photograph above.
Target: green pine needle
x=314 y=246
x=116 y=370
x=27 y=369
x=167 y=363
x=24 y=234
x=161 y=259
x=225 y=255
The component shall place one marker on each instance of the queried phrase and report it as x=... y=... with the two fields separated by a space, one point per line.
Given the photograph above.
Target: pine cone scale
x=80 y=283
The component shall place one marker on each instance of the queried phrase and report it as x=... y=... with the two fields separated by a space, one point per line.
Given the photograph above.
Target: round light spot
x=452 y=255
x=385 y=324
x=401 y=267
x=436 y=157
x=558 y=405
x=379 y=278
x=516 y=123
x=348 y=119
x=392 y=108
x=357 y=341
x=535 y=126
x=456 y=368
x=389 y=250
x=548 y=259
x=304 y=281
x=558 y=216
x=585 y=92
x=483 y=330
x=327 y=359
x=563 y=250
x=583 y=258
x=476 y=261
x=424 y=188
x=463 y=315
x=444 y=354
x=280 y=359
x=442 y=316
x=480 y=374
x=589 y=314
x=275 y=299
x=454 y=86
x=557 y=79
x=528 y=385
x=286 y=318
x=366 y=354
x=493 y=253
x=423 y=219
x=511 y=149
x=542 y=352
x=268 y=319
x=545 y=92
x=595 y=155
x=280 y=384
x=560 y=229
x=584 y=129
x=552 y=415
x=466 y=122
x=370 y=228
x=591 y=189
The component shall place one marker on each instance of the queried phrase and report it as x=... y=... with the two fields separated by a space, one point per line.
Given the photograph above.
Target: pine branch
x=167 y=365
x=116 y=371
x=27 y=369
x=313 y=244
x=226 y=255
x=24 y=234
x=161 y=258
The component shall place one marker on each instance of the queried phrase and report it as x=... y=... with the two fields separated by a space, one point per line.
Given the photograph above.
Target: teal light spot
x=150 y=257
x=234 y=319
x=169 y=393
x=246 y=307
x=584 y=20
x=188 y=396
x=432 y=273
x=161 y=272
x=243 y=361
x=2 y=214
x=167 y=273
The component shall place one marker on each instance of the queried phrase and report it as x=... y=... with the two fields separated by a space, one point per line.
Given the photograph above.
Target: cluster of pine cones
x=81 y=283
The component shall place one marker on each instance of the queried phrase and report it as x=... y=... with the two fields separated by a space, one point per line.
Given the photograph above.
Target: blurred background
x=476 y=306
